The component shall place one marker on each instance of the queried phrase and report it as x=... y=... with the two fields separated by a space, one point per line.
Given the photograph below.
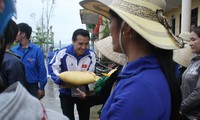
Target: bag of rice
x=78 y=77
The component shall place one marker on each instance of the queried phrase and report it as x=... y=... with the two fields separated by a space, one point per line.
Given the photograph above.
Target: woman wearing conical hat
x=146 y=88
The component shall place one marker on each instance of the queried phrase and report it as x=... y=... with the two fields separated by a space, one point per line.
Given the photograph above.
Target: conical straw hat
x=185 y=36
x=182 y=56
x=105 y=47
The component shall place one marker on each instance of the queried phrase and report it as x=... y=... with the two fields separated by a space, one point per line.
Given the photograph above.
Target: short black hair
x=82 y=32
x=196 y=30
x=25 y=28
x=10 y=32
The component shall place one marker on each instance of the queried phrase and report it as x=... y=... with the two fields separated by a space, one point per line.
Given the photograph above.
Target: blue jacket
x=50 y=55
x=66 y=60
x=33 y=59
x=141 y=93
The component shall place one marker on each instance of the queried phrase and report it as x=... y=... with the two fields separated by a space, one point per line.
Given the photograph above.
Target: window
x=173 y=23
x=194 y=18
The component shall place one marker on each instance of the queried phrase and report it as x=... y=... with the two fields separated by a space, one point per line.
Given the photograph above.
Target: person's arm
x=106 y=89
x=41 y=68
x=54 y=68
x=91 y=98
x=192 y=101
x=102 y=96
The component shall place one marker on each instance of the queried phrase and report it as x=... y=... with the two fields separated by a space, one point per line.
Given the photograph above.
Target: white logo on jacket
x=193 y=71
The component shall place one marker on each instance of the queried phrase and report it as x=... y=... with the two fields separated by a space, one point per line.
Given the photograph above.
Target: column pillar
x=186 y=15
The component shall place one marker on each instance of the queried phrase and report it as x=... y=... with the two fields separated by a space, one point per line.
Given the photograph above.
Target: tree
x=44 y=35
x=48 y=10
x=106 y=31
x=40 y=37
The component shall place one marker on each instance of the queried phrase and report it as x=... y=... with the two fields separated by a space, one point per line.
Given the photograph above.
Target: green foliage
x=93 y=37
x=106 y=30
x=90 y=26
x=41 y=37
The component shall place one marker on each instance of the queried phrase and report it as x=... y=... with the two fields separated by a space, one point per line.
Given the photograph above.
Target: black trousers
x=67 y=106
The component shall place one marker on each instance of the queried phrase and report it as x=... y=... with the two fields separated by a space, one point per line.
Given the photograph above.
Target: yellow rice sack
x=78 y=77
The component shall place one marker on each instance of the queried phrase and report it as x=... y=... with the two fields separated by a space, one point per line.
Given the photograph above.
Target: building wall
x=176 y=13
x=197 y=4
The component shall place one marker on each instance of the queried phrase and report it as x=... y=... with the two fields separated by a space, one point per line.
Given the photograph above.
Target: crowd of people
x=20 y=95
x=147 y=87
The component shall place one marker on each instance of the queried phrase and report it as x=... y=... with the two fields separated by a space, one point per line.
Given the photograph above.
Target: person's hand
x=80 y=94
x=66 y=85
x=41 y=94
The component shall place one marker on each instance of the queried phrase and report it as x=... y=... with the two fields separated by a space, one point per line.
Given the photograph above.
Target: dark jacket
x=12 y=70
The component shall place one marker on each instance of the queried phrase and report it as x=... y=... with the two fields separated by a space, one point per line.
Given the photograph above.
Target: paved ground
x=52 y=101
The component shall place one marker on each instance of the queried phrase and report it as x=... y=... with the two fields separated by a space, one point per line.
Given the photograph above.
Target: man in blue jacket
x=75 y=57
x=33 y=59
x=50 y=54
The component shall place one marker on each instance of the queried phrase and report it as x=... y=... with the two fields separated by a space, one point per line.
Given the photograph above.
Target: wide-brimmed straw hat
x=183 y=56
x=144 y=16
x=185 y=36
x=105 y=47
